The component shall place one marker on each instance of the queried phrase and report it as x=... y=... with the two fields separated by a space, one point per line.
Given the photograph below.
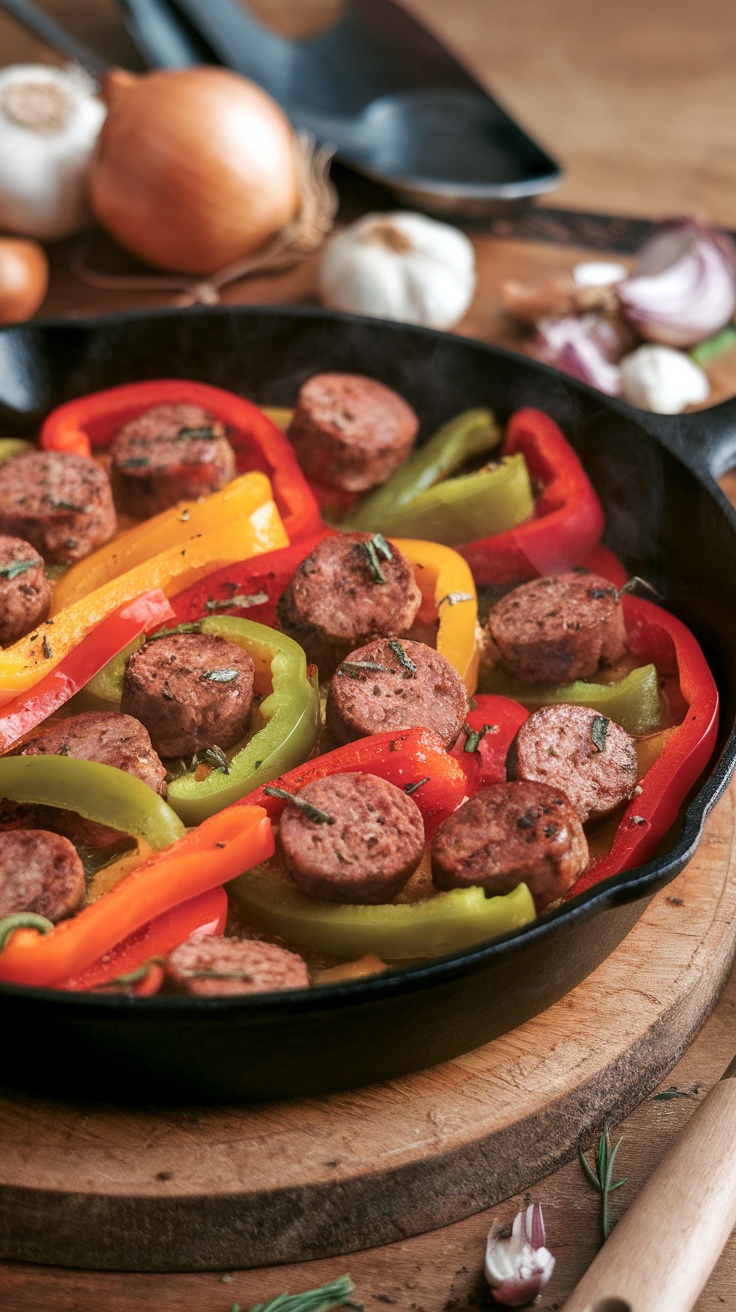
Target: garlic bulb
x=49 y=122
x=661 y=379
x=399 y=266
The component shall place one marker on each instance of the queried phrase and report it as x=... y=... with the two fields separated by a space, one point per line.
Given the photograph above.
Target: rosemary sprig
x=602 y=1178
x=403 y=659
x=375 y=547
x=335 y=1294
x=306 y=808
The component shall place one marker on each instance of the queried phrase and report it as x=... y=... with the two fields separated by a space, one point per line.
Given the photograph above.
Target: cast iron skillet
x=665 y=516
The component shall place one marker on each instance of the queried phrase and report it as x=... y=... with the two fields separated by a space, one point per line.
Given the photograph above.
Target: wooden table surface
x=638 y=102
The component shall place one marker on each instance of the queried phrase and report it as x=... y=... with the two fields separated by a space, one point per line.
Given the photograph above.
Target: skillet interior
x=665 y=517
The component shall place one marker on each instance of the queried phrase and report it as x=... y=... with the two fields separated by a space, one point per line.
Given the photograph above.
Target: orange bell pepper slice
x=448 y=592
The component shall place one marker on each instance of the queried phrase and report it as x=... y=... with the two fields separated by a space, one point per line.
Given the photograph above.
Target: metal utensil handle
x=54 y=35
x=664 y=1248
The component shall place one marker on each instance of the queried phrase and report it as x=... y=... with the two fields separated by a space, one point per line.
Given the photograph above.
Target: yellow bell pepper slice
x=448 y=592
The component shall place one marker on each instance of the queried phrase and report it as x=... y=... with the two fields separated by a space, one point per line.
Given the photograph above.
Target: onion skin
x=24 y=279
x=194 y=168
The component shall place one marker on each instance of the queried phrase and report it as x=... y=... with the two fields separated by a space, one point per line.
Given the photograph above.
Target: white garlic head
x=663 y=380
x=49 y=123
x=399 y=266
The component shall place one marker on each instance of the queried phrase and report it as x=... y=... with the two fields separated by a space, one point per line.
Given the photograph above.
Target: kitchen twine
x=305 y=233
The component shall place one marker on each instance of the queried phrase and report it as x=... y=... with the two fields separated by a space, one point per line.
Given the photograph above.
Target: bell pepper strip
x=487 y=734
x=172 y=528
x=110 y=874
x=221 y=848
x=204 y=914
x=13 y=446
x=95 y=791
x=413 y=759
x=24 y=713
x=470 y=434
x=633 y=702
x=568 y=517
x=654 y=634
x=394 y=931
x=29 y=659
x=90 y=422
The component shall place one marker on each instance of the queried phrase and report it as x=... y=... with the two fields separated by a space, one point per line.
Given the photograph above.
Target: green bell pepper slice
x=633 y=702
x=13 y=446
x=470 y=434
x=95 y=791
x=460 y=510
x=394 y=931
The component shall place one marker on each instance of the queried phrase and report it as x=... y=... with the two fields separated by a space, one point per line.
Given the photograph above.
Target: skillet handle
x=704 y=439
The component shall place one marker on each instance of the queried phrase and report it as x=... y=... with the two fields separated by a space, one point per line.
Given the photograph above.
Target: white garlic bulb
x=399 y=266
x=49 y=123
x=661 y=379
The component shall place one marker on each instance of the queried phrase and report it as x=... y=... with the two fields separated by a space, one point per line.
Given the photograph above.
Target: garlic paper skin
x=519 y=1267
x=399 y=266
x=684 y=286
x=49 y=123
x=661 y=379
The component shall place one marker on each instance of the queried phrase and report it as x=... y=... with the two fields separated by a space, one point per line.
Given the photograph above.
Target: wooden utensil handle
x=662 y=1251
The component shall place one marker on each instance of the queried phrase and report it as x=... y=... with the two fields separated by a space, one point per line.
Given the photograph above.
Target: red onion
x=684 y=287
x=583 y=347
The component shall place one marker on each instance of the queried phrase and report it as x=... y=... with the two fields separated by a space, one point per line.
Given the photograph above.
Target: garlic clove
x=684 y=286
x=518 y=1267
x=663 y=380
x=584 y=347
x=399 y=266
x=598 y=273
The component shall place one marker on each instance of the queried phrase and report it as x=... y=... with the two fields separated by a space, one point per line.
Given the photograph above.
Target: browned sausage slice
x=374 y=843
x=392 y=684
x=60 y=502
x=575 y=748
x=191 y=690
x=39 y=872
x=171 y=453
x=351 y=431
x=509 y=834
x=25 y=592
x=559 y=628
x=210 y=965
x=336 y=599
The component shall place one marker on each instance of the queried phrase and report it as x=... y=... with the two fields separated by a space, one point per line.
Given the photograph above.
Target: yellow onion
x=24 y=278
x=194 y=168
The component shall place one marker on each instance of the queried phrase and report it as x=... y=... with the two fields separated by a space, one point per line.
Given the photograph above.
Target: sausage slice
x=576 y=748
x=395 y=684
x=169 y=454
x=39 y=872
x=60 y=502
x=508 y=834
x=25 y=592
x=210 y=965
x=557 y=629
x=374 y=843
x=351 y=431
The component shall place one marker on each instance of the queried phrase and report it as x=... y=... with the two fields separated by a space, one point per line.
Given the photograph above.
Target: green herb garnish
x=133 y=462
x=220 y=676
x=206 y=434
x=195 y=627
x=453 y=598
x=404 y=660
x=335 y=1294
x=602 y=1178
x=213 y=756
x=599 y=732
x=409 y=789
x=474 y=736
x=10 y=572
x=243 y=602
x=353 y=669
x=375 y=547
x=672 y=1093
x=306 y=808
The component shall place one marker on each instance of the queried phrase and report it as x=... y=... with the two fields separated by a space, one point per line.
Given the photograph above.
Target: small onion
x=194 y=169
x=24 y=278
x=584 y=347
x=684 y=285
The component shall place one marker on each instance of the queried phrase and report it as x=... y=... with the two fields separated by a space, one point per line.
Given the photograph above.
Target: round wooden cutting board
x=206 y=1189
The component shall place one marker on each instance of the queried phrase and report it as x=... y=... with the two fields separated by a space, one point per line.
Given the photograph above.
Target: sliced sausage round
x=351 y=431
x=336 y=599
x=367 y=849
x=575 y=748
x=395 y=684
x=557 y=629
x=39 y=872
x=508 y=834
x=210 y=965
x=191 y=690
x=25 y=592
x=59 y=502
x=110 y=738
x=171 y=453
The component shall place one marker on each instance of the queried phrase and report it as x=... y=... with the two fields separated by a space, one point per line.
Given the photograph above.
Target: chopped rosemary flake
x=404 y=660
x=243 y=601
x=213 y=756
x=133 y=462
x=220 y=676
x=10 y=572
x=46 y=648
x=194 y=627
x=206 y=434
x=375 y=547
x=409 y=789
x=353 y=669
x=306 y=808
x=216 y=974
x=599 y=732
x=475 y=735
x=64 y=505
x=453 y=598
x=132 y=976
x=637 y=584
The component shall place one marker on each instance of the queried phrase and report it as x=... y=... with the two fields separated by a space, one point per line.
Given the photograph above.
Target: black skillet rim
x=628 y=886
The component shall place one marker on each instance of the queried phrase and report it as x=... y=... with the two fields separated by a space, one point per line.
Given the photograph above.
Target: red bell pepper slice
x=91 y=421
x=101 y=644
x=407 y=758
x=568 y=517
x=486 y=763
x=655 y=635
x=205 y=914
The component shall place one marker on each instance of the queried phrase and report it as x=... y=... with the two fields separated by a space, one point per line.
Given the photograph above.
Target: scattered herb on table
x=336 y=1294
x=602 y=1177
